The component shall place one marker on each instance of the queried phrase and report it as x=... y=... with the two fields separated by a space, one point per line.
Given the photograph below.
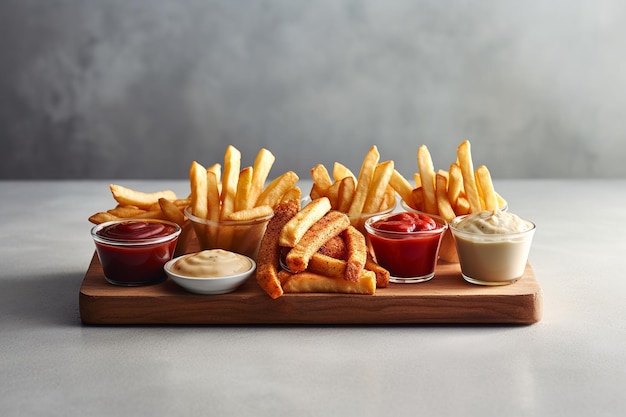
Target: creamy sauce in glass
x=493 y=223
x=211 y=263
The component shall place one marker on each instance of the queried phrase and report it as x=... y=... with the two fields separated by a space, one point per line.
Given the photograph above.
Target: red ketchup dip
x=406 y=244
x=133 y=252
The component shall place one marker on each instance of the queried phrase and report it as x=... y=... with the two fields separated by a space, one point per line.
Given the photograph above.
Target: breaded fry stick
x=306 y=282
x=333 y=223
x=382 y=275
x=357 y=253
x=268 y=260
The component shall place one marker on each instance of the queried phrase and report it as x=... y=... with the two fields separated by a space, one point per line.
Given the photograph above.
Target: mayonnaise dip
x=495 y=222
x=493 y=247
x=211 y=263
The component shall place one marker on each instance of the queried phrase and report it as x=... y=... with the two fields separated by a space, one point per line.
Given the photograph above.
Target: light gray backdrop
x=139 y=89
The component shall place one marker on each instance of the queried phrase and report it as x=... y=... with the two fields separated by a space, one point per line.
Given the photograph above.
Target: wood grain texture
x=447 y=298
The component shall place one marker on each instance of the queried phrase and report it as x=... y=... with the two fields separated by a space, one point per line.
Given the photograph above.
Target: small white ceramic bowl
x=210 y=285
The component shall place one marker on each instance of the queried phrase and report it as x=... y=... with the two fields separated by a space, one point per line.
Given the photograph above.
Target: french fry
x=230 y=177
x=378 y=186
x=443 y=204
x=268 y=260
x=464 y=156
x=128 y=197
x=483 y=178
x=126 y=211
x=340 y=171
x=307 y=282
x=357 y=253
x=455 y=183
x=250 y=213
x=346 y=194
x=244 y=187
x=293 y=231
x=294 y=193
x=172 y=211
x=277 y=188
x=363 y=184
x=212 y=196
x=102 y=217
x=427 y=175
x=418 y=199
x=321 y=181
x=327 y=265
x=262 y=165
x=217 y=170
x=382 y=275
x=198 y=182
x=403 y=187
x=332 y=224
x=333 y=194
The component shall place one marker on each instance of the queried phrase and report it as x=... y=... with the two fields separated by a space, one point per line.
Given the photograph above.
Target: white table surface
x=571 y=363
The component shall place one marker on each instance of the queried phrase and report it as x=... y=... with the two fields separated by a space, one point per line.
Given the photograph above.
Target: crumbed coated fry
x=307 y=282
x=382 y=275
x=327 y=265
x=268 y=260
x=357 y=253
x=333 y=223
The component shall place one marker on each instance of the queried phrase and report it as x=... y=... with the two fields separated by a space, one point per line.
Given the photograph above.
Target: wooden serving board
x=447 y=298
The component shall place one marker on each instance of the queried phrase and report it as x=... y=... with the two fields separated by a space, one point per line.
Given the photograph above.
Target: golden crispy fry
x=464 y=156
x=427 y=175
x=321 y=179
x=443 y=204
x=307 y=282
x=244 y=187
x=128 y=197
x=483 y=178
x=332 y=224
x=217 y=170
x=126 y=211
x=294 y=193
x=501 y=201
x=363 y=184
x=172 y=211
x=151 y=214
x=403 y=187
x=102 y=217
x=296 y=228
x=462 y=206
x=455 y=183
x=251 y=213
x=198 y=182
x=212 y=196
x=268 y=260
x=262 y=165
x=418 y=180
x=275 y=190
x=182 y=202
x=346 y=193
x=232 y=165
x=340 y=171
x=378 y=186
x=357 y=253
x=389 y=199
x=418 y=199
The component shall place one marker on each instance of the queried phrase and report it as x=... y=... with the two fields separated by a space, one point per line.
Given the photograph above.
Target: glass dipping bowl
x=130 y=257
x=238 y=236
x=492 y=259
x=410 y=257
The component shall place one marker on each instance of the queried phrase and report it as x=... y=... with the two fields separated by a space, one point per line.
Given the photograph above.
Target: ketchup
x=133 y=252
x=407 y=244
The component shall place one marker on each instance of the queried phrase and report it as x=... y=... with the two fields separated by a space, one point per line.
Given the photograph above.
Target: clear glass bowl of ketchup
x=134 y=252
x=406 y=244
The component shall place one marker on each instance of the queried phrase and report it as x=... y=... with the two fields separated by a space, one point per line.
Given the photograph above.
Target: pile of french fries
x=134 y=204
x=449 y=193
x=371 y=192
x=315 y=249
x=230 y=205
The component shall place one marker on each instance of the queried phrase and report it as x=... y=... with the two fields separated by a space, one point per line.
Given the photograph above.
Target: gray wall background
x=139 y=89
